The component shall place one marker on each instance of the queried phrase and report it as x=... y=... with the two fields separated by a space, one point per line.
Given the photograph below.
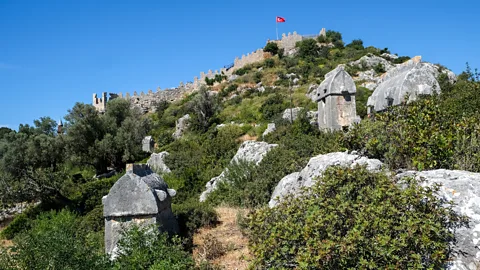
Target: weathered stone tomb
x=336 y=100
x=139 y=197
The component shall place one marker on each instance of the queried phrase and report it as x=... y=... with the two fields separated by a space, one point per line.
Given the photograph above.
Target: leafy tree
x=356 y=219
x=308 y=49
x=356 y=44
x=205 y=106
x=271 y=47
x=333 y=36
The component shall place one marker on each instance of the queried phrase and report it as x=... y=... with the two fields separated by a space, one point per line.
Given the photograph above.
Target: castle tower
x=100 y=104
x=60 y=127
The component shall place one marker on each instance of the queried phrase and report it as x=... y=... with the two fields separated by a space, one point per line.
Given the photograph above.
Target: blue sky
x=56 y=53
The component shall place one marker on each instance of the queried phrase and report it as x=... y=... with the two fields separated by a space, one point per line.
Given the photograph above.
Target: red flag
x=280 y=19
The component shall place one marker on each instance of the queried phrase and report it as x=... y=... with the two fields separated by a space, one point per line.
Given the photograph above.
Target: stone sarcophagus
x=140 y=197
x=336 y=100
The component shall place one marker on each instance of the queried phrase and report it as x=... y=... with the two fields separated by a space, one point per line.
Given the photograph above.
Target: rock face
x=270 y=128
x=182 y=126
x=157 y=162
x=249 y=151
x=412 y=77
x=464 y=189
x=294 y=182
x=140 y=197
x=370 y=61
x=291 y=113
x=336 y=100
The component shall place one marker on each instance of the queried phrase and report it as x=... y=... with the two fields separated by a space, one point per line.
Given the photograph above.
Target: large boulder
x=291 y=113
x=293 y=183
x=182 y=125
x=412 y=78
x=370 y=61
x=157 y=162
x=464 y=189
x=249 y=151
x=270 y=128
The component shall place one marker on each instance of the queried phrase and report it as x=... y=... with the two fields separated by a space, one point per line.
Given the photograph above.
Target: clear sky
x=56 y=53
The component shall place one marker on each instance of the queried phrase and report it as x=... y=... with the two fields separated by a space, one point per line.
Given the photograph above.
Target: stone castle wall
x=146 y=101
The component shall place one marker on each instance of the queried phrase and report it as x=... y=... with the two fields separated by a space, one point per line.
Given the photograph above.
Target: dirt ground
x=4 y=243
x=236 y=255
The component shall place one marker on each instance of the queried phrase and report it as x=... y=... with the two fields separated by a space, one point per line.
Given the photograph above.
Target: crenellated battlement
x=147 y=101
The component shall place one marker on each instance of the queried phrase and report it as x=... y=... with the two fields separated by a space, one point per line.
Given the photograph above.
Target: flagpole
x=276 y=26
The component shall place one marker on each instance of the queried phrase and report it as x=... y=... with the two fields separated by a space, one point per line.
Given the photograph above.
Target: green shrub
x=146 y=248
x=273 y=106
x=271 y=47
x=356 y=44
x=333 y=36
x=229 y=89
x=242 y=71
x=269 y=63
x=361 y=98
x=421 y=135
x=401 y=59
x=355 y=219
x=91 y=193
x=308 y=49
x=191 y=216
x=54 y=242
x=21 y=223
x=379 y=68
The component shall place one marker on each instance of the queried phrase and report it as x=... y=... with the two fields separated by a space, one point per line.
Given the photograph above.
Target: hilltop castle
x=146 y=101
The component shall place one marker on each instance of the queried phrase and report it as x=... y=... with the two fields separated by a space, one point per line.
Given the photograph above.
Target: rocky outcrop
x=371 y=61
x=294 y=182
x=249 y=151
x=464 y=189
x=181 y=126
x=291 y=113
x=270 y=128
x=412 y=78
x=157 y=162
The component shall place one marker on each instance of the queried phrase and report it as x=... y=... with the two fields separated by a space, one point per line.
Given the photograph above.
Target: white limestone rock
x=464 y=189
x=270 y=128
x=411 y=78
x=291 y=113
x=315 y=168
x=182 y=125
x=157 y=162
x=249 y=151
x=371 y=61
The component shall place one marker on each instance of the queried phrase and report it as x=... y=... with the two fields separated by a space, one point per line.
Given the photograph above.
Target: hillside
x=302 y=112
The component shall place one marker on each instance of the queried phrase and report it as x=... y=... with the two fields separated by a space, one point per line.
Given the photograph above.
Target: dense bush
x=191 y=216
x=273 y=106
x=145 y=248
x=356 y=44
x=269 y=63
x=355 y=219
x=420 y=135
x=271 y=47
x=54 y=242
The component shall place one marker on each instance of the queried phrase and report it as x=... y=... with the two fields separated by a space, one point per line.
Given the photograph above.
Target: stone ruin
x=148 y=144
x=336 y=100
x=140 y=197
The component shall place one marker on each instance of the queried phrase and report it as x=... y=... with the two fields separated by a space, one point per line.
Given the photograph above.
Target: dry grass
x=227 y=235
x=247 y=137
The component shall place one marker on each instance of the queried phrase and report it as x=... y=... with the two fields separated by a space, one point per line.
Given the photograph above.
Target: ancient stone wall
x=250 y=58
